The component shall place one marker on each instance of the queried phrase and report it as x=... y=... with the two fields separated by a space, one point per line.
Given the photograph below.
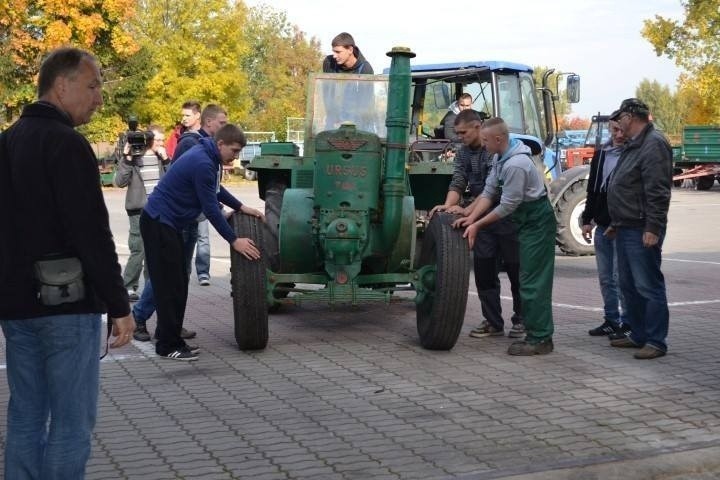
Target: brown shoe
x=648 y=352
x=528 y=349
x=625 y=342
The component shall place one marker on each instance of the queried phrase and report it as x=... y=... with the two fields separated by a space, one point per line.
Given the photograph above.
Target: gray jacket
x=640 y=186
x=514 y=178
x=140 y=176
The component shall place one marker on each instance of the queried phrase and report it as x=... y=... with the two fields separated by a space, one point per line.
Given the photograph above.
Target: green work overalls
x=536 y=234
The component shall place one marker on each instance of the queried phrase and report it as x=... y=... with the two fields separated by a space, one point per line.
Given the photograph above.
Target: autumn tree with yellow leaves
x=155 y=55
x=694 y=44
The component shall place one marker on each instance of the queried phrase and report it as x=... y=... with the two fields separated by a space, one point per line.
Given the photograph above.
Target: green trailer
x=699 y=156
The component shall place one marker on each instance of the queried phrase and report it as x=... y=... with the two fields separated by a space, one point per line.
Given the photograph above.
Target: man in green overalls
x=516 y=180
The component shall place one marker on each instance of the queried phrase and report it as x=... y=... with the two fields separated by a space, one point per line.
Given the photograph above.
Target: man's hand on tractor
x=247 y=248
x=587 y=232
x=456 y=210
x=464 y=221
x=471 y=232
x=252 y=212
x=437 y=208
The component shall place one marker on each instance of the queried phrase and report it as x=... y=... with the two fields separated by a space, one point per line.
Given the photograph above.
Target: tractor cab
x=498 y=89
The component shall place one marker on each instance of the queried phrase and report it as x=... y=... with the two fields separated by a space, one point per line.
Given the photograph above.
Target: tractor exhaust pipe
x=397 y=120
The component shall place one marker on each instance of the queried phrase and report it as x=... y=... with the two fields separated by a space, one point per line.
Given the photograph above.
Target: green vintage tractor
x=347 y=221
x=341 y=221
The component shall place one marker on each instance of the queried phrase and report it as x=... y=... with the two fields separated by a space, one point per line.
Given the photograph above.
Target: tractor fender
x=566 y=180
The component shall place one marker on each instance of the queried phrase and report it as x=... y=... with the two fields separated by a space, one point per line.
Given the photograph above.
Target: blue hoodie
x=190 y=187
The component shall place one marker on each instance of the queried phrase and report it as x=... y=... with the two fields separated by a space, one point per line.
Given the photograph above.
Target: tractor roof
x=442 y=69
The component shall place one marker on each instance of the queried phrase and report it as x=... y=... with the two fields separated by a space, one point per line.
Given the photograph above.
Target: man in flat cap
x=638 y=201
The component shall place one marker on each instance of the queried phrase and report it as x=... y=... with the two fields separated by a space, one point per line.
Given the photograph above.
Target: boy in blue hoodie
x=190 y=187
x=515 y=179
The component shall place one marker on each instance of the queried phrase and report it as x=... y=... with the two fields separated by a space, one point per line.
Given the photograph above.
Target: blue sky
x=599 y=40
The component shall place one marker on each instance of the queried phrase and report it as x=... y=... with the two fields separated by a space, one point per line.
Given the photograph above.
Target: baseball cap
x=632 y=106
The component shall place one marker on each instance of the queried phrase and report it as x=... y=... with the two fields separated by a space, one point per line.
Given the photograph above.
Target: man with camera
x=140 y=169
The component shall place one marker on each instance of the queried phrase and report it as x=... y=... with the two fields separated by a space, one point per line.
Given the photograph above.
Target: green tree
x=278 y=60
x=694 y=45
x=668 y=111
x=194 y=52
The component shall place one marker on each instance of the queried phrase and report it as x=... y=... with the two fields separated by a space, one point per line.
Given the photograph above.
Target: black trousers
x=164 y=254
x=493 y=245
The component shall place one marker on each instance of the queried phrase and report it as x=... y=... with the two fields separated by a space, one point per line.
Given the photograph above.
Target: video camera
x=138 y=142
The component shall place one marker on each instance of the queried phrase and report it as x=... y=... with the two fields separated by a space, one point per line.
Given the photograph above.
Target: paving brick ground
x=349 y=393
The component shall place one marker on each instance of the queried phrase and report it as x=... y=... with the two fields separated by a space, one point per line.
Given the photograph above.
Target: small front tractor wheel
x=247 y=278
x=445 y=268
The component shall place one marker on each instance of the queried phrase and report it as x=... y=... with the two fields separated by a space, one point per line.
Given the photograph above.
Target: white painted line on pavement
x=690 y=261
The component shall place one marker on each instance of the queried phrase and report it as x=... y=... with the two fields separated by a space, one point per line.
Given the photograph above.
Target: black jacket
x=596 y=208
x=361 y=66
x=51 y=202
x=640 y=186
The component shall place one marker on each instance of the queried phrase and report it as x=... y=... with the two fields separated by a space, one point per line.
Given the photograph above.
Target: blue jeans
x=606 y=259
x=643 y=287
x=53 y=374
x=202 y=254
x=145 y=307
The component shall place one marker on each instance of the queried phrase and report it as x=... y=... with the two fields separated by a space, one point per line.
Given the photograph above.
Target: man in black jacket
x=638 y=202
x=596 y=215
x=52 y=204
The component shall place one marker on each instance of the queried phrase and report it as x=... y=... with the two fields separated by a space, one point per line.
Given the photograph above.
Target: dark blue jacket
x=190 y=187
x=188 y=140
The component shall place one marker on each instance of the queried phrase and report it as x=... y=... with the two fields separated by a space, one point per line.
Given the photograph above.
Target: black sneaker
x=184 y=355
x=620 y=332
x=141 y=334
x=603 y=330
x=187 y=334
x=193 y=348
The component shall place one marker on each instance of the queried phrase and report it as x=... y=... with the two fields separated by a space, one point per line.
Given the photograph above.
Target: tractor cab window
x=518 y=104
x=435 y=111
x=533 y=122
x=509 y=102
x=481 y=92
x=358 y=99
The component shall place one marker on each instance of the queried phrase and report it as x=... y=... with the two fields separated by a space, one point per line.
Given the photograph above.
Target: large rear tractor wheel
x=568 y=211
x=273 y=206
x=247 y=278
x=442 y=303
